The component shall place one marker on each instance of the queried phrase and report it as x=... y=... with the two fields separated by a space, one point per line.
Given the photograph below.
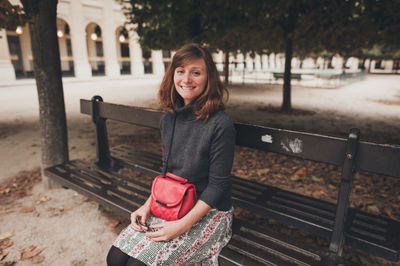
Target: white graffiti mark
x=294 y=146
x=266 y=138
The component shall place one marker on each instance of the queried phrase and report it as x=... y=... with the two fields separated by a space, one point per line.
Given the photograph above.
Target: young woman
x=202 y=151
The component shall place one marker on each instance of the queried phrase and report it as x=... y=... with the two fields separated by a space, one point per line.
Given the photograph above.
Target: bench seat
x=377 y=235
x=249 y=245
x=279 y=75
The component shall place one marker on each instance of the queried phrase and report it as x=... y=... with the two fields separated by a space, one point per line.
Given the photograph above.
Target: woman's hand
x=167 y=230
x=140 y=216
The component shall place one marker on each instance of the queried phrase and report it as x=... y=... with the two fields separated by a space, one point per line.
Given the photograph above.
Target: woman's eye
x=179 y=71
x=196 y=73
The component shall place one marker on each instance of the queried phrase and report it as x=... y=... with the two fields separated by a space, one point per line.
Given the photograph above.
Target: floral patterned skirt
x=200 y=245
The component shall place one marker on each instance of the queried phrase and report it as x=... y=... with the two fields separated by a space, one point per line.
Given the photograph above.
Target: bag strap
x=170 y=147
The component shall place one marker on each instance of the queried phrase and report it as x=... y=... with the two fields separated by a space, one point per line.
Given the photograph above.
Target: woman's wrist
x=147 y=203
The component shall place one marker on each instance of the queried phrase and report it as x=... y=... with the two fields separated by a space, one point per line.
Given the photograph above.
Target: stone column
x=257 y=62
x=82 y=68
x=137 y=67
x=240 y=60
x=158 y=65
x=110 y=41
x=249 y=63
x=7 y=72
x=218 y=59
x=265 y=64
x=26 y=49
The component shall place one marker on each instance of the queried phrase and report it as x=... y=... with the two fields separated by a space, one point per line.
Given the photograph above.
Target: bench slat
x=262 y=246
x=134 y=115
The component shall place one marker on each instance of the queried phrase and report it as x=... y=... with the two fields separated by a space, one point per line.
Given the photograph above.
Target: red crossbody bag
x=172 y=197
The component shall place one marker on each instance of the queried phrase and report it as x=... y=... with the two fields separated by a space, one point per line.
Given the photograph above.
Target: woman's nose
x=187 y=78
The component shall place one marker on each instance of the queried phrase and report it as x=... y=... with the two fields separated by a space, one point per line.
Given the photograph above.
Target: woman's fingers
x=134 y=222
x=157 y=236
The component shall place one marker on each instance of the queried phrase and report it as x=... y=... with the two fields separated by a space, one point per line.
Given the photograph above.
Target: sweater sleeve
x=221 y=160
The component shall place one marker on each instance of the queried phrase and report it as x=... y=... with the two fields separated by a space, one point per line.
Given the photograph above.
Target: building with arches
x=94 y=42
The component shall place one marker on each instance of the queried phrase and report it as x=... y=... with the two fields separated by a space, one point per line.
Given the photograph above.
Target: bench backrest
x=382 y=159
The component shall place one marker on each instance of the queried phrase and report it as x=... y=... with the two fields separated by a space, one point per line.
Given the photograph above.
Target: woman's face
x=190 y=79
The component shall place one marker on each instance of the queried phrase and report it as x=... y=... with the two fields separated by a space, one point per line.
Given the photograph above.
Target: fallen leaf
x=6 y=244
x=30 y=252
x=295 y=177
x=4 y=190
x=44 y=199
x=3 y=255
x=263 y=171
x=389 y=212
x=319 y=194
x=301 y=171
x=6 y=235
x=27 y=209
x=9 y=263
x=373 y=209
x=360 y=188
x=115 y=224
x=315 y=179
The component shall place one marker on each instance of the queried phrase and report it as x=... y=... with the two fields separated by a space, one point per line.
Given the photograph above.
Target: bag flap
x=168 y=191
x=176 y=177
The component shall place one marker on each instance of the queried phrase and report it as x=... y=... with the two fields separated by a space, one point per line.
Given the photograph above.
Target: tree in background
x=42 y=18
x=170 y=24
x=286 y=27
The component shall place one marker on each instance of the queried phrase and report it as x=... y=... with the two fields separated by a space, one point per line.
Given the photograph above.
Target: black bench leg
x=102 y=149
x=337 y=240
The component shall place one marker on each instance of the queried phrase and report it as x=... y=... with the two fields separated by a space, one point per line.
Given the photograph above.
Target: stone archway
x=19 y=44
x=94 y=40
x=65 y=47
x=123 y=50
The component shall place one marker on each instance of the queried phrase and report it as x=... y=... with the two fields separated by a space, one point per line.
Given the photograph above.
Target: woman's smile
x=190 y=79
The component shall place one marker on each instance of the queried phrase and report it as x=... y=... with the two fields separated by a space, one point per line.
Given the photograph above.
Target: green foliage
x=170 y=24
x=345 y=27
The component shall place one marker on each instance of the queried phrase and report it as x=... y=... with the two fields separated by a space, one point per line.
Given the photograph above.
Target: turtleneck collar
x=184 y=111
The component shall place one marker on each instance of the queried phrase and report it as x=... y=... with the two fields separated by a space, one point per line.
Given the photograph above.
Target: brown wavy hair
x=210 y=100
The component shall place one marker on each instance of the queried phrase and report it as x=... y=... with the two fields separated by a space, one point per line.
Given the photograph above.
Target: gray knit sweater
x=201 y=152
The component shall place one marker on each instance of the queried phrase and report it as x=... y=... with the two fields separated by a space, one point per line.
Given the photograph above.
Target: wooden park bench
x=250 y=244
x=280 y=75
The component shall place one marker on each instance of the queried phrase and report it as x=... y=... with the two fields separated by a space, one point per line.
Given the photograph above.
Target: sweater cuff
x=212 y=195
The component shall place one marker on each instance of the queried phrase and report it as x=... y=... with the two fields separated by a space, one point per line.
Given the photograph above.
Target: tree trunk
x=226 y=68
x=286 y=104
x=344 y=65
x=46 y=62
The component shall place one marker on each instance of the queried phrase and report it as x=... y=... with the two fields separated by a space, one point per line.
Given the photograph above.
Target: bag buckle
x=162 y=203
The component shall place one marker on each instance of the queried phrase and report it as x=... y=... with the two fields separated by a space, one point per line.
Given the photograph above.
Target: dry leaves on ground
x=4 y=244
x=6 y=235
x=30 y=252
x=19 y=186
x=27 y=209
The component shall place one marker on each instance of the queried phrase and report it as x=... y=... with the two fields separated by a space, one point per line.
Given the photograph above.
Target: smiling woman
x=198 y=144
x=190 y=79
